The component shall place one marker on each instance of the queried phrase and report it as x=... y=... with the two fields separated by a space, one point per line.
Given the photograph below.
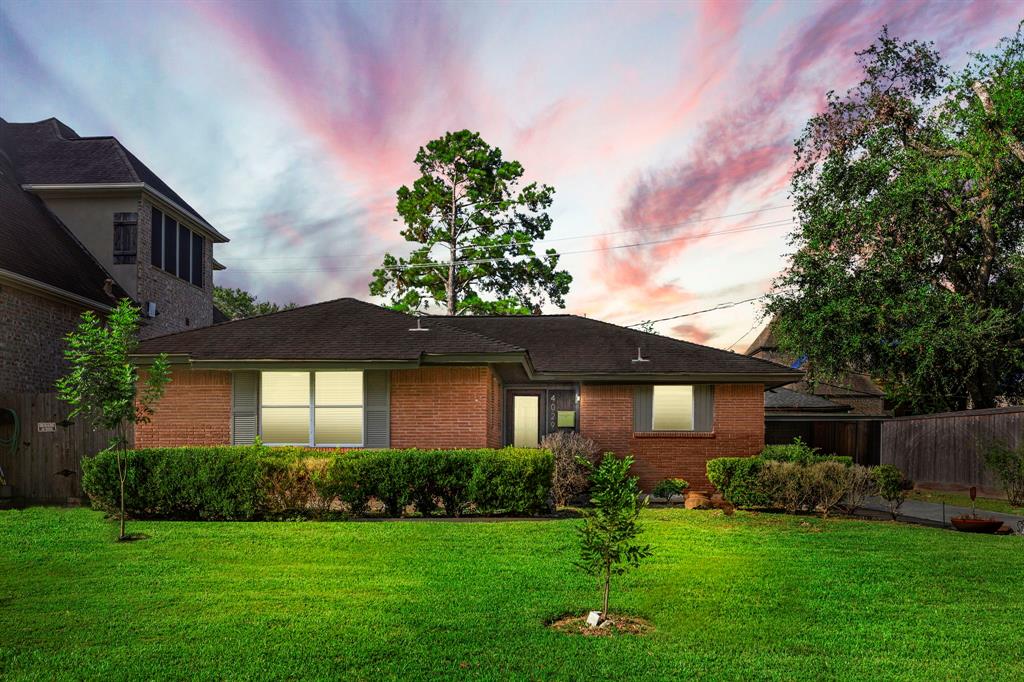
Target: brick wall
x=32 y=330
x=439 y=407
x=606 y=416
x=195 y=410
x=176 y=299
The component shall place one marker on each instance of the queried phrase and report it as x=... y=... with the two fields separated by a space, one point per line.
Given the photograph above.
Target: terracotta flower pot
x=970 y=524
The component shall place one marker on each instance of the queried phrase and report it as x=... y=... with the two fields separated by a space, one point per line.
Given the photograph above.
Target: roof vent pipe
x=640 y=357
x=419 y=326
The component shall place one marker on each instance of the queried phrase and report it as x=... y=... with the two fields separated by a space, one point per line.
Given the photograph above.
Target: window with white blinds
x=672 y=408
x=312 y=408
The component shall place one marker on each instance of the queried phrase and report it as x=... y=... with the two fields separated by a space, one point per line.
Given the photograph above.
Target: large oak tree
x=909 y=257
x=475 y=225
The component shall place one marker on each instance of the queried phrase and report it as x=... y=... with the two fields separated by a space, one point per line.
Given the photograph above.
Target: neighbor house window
x=184 y=253
x=312 y=408
x=156 y=243
x=176 y=249
x=126 y=226
x=672 y=408
x=197 y=259
x=170 y=245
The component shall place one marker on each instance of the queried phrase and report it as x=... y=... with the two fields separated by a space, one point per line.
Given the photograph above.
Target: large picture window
x=673 y=408
x=312 y=408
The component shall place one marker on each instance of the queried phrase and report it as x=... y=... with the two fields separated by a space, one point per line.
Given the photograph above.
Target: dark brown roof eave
x=770 y=380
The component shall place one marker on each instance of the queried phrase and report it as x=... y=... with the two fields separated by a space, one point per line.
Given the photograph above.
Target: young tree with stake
x=608 y=534
x=102 y=384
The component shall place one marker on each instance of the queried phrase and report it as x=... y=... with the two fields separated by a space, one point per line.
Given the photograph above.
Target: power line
x=651 y=228
x=479 y=261
x=752 y=328
x=720 y=306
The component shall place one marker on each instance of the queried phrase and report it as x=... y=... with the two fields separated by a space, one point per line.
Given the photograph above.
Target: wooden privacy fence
x=946 y=449
x=47 y=466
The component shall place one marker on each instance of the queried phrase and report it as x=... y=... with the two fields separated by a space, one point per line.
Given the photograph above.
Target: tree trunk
x=449 y=286
x=607 y=587
x=122 y=471
x=122 y=536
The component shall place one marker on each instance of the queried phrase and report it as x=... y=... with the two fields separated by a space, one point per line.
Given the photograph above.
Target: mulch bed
x=615 y=624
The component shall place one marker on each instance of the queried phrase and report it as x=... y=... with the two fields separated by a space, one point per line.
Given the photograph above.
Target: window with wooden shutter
x=126 y=229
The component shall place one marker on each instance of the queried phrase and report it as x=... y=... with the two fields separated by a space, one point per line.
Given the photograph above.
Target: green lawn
x=753 y=596
x=960 y=499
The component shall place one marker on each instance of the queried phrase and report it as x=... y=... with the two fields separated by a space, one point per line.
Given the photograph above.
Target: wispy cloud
x=291 y=125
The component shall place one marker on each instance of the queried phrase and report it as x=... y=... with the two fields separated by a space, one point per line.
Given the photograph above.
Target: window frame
x=170 y=245
x=197 y=259
x=156 y=238
x=312 y=406
x=186 y=242
x=693 y=408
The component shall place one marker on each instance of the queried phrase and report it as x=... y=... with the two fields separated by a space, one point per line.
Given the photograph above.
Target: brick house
x=350 y=374
x=83 y=222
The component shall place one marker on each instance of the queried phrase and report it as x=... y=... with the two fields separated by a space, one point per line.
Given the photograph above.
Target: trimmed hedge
x=744 y=481
x=738 y=479
x=801 y=453
x=250 y=482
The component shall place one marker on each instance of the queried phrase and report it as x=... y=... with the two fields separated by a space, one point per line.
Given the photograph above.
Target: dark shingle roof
x=765 y=341
x=573 y=344
x=51 y=153
x=785 y=400
x=342 y=329
x=34 y=244
x=349 y=329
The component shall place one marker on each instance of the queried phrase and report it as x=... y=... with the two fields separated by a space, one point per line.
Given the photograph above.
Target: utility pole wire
x=651 y=228
x=720 y=306
x=477 y=261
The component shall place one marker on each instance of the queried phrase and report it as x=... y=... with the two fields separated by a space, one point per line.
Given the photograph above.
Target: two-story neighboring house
x=84 y=222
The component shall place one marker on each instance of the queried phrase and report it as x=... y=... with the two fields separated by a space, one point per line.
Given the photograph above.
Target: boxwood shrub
x=738 y=479
x=250 y=482
x=755 y=482
x=801 y=453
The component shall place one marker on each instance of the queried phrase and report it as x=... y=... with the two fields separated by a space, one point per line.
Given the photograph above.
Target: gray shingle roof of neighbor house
x=51 y=153
x=347 y=329
x=785 y=400
x=34 y=245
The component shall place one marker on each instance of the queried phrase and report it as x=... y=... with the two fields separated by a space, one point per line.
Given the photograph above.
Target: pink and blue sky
x=289 y=126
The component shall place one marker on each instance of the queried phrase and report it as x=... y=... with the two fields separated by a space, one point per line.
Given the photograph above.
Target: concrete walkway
x=932 y=512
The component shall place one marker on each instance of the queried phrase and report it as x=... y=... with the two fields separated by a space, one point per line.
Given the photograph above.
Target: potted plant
x=972 y=524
